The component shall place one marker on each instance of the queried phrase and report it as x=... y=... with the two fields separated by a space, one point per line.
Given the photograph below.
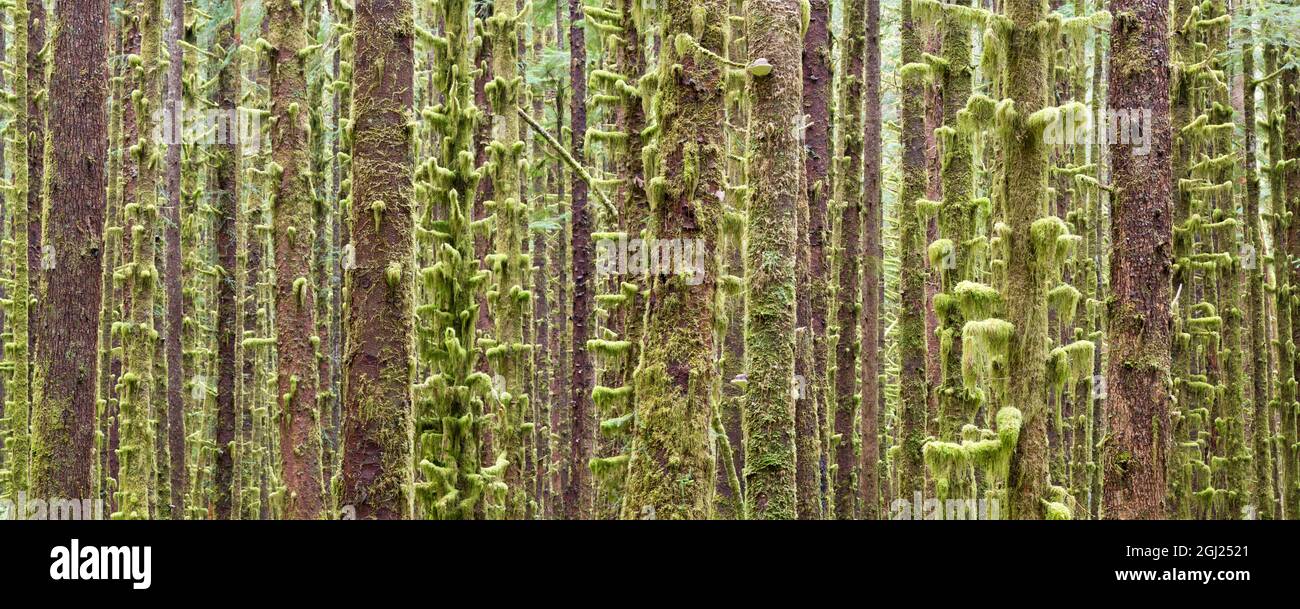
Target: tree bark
x=295 y=294
x=227 y=163
x=818 y=78
x=376 y=401
x=911 y=317
x=175 y=313
x=769 y=414
x=577 y=493
x=1141 y=269
x=69 y=296
x=873 y=269
x=671 y=470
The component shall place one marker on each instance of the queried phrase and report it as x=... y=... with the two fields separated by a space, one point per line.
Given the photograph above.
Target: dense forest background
x=650 y=259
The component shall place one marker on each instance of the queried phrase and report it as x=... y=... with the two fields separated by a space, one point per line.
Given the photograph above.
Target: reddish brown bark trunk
x=377 y=405
x=873 y=285
x=1141 y=269
x=577 y=494
x=227 y=163
x=66 y=318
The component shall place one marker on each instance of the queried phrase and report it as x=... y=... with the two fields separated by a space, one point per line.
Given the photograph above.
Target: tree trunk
x=172 y=344
x=37 y=116
x=776 y=90
x=1290 y=101
x=226 y=228
x=577 y=493
x=295 y=294
x=508 y=298
x=376 y=401
x=140 y=342
x=671 y=470
x=1141 y=269
x=873 y=288
x=449 y=422
x=69 y=296
x=818 y=78
x=1262 y=492
x=913 y=403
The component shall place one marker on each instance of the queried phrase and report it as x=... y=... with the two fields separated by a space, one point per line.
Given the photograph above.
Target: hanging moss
x=978 y=301
x=1064 y=299
x=451 y=401
x=984 y=349
x=987 y=450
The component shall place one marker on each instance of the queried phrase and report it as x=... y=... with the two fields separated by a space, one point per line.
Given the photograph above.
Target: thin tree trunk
x=873 y=273
x=818 y=77
x=508 y=356
x=137 y=383
x=577 y=493
x=295 y=294
x=849 y=308
x=175 y=314
x=1290 y=430
x=227 y=163
x=911 y=316
x=1262 y=492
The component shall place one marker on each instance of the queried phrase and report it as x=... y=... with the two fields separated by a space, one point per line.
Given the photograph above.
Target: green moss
x=978 y=301
x=984 y=347
x=1064 y=299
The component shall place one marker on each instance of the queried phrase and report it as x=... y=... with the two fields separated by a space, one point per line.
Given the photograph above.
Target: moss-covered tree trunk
x=509 y=297
x=340 y=165
x=776 y=91
x=577 y=492
x=295 y=293
x=541 y=301
x=1138 y=382
x=109 y=362
x=253 y=350
x=37 y=113
x=953 y=256
x=226 y=163
x=377 y=405
x=1285 y=389
x=1290 y=428
x=172 y=269
x=1031 y=244
x=913 y=401
x=450 y=422
x=323 y=214
x=848 y=314
x=873 y=273
x=1097 y=286
x=671 y=470
x=1261 y=489
x=728 y=415
x=18 y=391
x=69 y=296
x=561 y=426
x=818 y=78
x=140 y=337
